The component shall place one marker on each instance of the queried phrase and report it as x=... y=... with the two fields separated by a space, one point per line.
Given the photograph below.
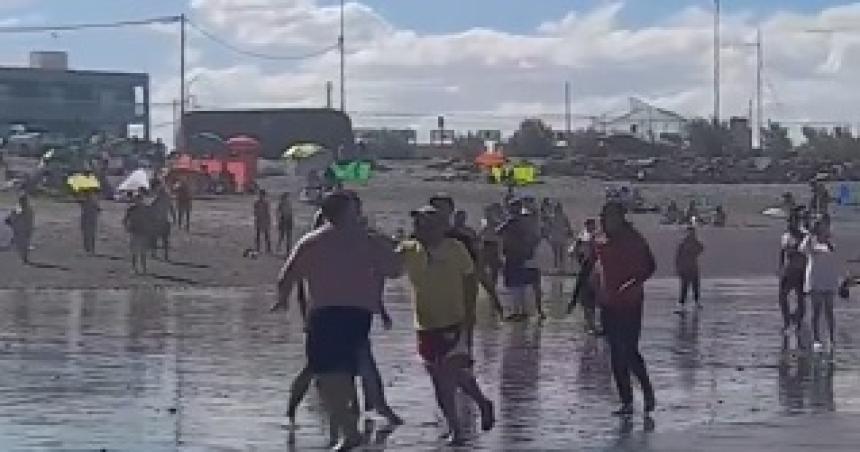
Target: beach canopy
x=490 y=160
x=243 y=143
x=82 y=182
x=522 y=173
x=138 y=179
x=355 y=171
x=303 y=150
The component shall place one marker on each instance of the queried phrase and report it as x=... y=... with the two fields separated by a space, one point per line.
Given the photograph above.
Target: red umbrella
x=490 y=159
x=243 y=143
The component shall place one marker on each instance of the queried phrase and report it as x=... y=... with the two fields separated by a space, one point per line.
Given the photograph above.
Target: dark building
x=49 y=96
x=277 y=129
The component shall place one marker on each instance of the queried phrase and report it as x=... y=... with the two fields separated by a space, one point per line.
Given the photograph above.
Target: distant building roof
x=638 y=108
x=29 y=71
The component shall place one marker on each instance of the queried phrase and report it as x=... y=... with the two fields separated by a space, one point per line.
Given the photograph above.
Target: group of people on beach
x=339 y=270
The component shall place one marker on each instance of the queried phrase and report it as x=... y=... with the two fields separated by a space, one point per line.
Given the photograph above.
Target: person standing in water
x=792 y=274
x=491 y=250
x=184 y=200
x=162 y=212
x=624 y=263
x=285 y=222
x=89 y=221
x=687 y=266
x=440 y=270
x=341 y=265
x=137 y=223
x=520 y=239
x=822 y=280
x=262 y=222
x=22 y=221
x=585 y=253
x=559 y=236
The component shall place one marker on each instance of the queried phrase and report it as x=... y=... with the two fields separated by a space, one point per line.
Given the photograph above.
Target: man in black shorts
x=341 y=265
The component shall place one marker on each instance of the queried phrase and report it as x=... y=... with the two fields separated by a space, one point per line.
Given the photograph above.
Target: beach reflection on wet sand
x=197 y=370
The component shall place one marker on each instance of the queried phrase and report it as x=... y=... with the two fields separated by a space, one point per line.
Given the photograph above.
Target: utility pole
x=329 y=87
x=567 y=126
x=341 y=45
x=758 y=85
x=182 y=97
x=717 y=58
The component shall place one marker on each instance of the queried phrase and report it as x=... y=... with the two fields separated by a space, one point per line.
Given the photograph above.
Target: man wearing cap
x=624 y=263
x=341 y=265
x=444 y=205
x=440 y=270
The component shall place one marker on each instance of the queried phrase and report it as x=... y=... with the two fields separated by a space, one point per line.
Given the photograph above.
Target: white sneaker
x=817 y=347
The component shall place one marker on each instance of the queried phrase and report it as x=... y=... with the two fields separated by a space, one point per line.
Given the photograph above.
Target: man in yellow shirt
x=439 y=269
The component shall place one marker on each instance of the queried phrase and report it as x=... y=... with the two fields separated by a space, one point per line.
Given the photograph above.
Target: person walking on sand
x=184 y=201
x=792 y=274
x=440 y=270
x=520 y=239
x=624 y=263
x=137 y=223
x=262 y=222
x=22 y=221
x=285 y=222
x=162 y=212
x=90 y=211
x=341 y=265
x=687 y=267
x=822 y=280
x=585 y=253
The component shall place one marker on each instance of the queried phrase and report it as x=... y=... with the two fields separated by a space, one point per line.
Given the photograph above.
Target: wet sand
x=211 y=255
x=202 y=370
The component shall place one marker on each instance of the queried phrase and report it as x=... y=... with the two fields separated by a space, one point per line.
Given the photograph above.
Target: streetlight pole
x=758 y=88
x=717 y=58
x=182 y=95
x=342 y=48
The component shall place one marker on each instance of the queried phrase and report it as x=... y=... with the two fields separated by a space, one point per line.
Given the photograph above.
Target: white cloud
x=506 y=75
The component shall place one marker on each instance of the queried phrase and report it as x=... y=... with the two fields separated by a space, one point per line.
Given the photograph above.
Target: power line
x=90 y=26
x=264 y=56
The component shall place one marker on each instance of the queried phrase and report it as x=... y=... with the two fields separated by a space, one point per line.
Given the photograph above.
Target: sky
x=481 y=63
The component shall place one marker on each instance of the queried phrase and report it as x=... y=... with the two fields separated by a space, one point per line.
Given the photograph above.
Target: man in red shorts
x=439 y=269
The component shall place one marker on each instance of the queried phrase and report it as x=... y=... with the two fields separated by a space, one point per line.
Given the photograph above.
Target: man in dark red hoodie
x=624 y=263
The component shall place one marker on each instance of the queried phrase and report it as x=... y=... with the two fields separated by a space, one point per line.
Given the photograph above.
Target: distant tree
x=533 y=139
x=775 y=140
x=838 y=144
x=709 y=139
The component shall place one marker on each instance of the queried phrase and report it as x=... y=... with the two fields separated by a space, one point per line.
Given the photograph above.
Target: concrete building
x=49 y=96
x=647 y=122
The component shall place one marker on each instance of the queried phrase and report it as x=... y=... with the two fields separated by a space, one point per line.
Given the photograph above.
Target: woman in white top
x=822 y=277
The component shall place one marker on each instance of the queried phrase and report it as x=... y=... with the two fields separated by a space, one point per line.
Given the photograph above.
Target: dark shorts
x=517 y=275
x=434 y=345
x=792 y=280
x=335 y=335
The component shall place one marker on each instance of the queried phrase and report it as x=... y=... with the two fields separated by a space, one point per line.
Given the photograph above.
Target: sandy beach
x=211 y=255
